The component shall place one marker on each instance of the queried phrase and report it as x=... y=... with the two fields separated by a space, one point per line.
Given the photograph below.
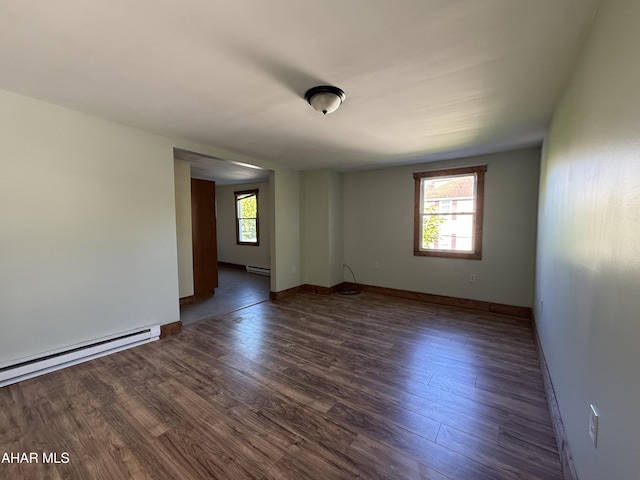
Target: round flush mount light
x=325 y=98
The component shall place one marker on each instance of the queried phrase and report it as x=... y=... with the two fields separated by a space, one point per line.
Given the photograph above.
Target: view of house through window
x=247 y=217
x=448 y=212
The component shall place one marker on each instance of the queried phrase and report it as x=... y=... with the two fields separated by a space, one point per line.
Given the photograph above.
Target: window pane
x=247 y=231
x=448 y=212
x=454 y=194
x=448 y=232
x=431 y=230
x=248 y=207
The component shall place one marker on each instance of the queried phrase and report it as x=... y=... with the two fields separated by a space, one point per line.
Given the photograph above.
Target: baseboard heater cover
x=58 y=359
x=260 y=270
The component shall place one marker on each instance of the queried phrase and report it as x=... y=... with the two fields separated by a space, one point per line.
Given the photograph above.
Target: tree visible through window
x=247 y=217
x=448 y=212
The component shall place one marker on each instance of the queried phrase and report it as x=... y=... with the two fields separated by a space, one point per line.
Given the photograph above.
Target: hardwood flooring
x=236 y=289
x=309 y=387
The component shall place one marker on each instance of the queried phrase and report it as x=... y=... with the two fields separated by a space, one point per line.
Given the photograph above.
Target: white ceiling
x=424 y=79
x=224 y=172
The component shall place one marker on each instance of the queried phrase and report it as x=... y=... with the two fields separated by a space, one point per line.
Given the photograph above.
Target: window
x=448 y=212
x=247 y=217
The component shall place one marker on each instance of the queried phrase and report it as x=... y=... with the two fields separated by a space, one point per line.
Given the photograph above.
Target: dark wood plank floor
x=309 y=387
x=236 y=289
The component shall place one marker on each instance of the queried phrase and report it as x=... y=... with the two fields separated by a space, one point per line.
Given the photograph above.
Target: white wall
x=88 y=229
x=285 y=251
x=378 y=227
x=336 y=229
x=322 y=228
x=315 y=227
x=228 y=250
x=588 y=272
x=184 y=234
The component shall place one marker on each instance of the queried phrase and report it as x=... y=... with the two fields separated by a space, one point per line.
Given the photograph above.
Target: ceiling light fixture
x=325 y=98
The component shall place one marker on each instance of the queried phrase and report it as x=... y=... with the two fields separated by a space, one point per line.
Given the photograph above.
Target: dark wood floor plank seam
x=311 y=386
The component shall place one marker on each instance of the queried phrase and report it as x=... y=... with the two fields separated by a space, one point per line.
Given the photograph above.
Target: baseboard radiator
x=260 y=270
x=58 y=359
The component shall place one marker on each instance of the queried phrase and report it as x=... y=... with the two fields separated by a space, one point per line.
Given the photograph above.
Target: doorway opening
x=236 y=287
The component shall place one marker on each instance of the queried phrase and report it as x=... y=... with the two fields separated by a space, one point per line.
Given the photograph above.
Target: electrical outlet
x=472 y=278
x=593 y=425
x=294 y=269
x=376 y=265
